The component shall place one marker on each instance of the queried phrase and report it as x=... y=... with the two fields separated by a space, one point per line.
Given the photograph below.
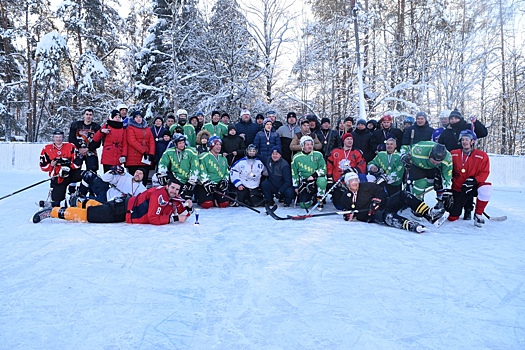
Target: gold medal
x=268 y=143
x=389 y=168
x=463 y=170
x=156 y=138
x=325 y=142
x=353 y=206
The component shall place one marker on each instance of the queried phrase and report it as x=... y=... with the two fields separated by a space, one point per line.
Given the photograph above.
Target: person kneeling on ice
x=471 y=168
x=214 y=177
x=157 y=206
x=309 y=174
x=370 y=203
x=246 y=175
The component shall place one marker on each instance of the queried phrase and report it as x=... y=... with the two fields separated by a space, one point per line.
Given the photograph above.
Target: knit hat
x=245 y=111
x=349 y=119
x=311 y=117
x=423 y=114
x=277 y=149
x=199 y=113
x=373 y=122
x=304 y=120
x=346 y=135
x=361 y=121
x=259 y=116
x=231 y=126
x=166 y=133
x=114 y=113
x=215 y=112
x=455 y=114
x=157 y=117
x=291 y=115
x=134 y=114
x=267 y=120
x=325 y=120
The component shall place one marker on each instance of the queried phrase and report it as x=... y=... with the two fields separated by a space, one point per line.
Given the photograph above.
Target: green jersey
x=220 y=129
x=421 y=158
x=213 y=168
x=183 y=164
x=189 y=131
x=391 y=165
x=304 y=165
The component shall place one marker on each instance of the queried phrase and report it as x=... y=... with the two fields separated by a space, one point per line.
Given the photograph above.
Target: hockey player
x=370 y=203
x=187 y=128
x=213 y=176
x=181 y=163
x=81 y=134
x=387 y=168
x=158 y=206
x=308 y=174
x=246 y=175
x=430 y=165
x=59 y=159
x=112 y=184
x=215 y=127
x=471 y=168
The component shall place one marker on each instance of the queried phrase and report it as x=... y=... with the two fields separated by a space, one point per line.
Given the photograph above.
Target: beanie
x=455 y=114
x=361 y=121
x=346 y=135
x=325 y=120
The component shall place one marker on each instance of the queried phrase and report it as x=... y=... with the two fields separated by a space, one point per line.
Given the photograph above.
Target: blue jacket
x=265 y=146
x=279 y=174
x=249 y=129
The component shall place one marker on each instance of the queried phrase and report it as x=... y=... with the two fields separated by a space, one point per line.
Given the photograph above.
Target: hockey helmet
x=58 y=132
x=251 y=147
x=351 y=176
x=305 y=139
x=386 y=118
x=178 y=138
x=409 y=120
x=182 y=111
x=439 y=152
x=467 y=133
x=214 y=140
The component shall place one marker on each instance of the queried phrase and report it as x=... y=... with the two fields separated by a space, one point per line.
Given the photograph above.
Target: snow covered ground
x=242 y=280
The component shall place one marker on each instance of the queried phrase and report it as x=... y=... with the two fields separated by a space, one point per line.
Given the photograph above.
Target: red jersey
x=153 y=207
x=65 y=153
x=339 y=160
x=476 y=165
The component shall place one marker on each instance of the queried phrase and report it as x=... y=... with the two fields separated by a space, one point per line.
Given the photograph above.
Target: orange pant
x=74 y=213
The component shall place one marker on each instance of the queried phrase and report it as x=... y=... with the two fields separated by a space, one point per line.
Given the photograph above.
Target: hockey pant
x=482 y=192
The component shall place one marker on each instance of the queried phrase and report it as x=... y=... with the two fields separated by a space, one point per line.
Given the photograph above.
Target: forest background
x=159 y=55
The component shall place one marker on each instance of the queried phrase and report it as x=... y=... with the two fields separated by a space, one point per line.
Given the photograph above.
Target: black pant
x=112 y=211
x=59 y=186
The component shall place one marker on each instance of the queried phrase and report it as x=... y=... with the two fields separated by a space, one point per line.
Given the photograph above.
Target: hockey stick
x=271 y=212
x=327 y=193
x=26 y=188
x=238 y=202
x=495 y=218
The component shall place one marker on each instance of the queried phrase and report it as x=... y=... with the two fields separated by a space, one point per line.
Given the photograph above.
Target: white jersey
x=122 y=184
x=247 y=172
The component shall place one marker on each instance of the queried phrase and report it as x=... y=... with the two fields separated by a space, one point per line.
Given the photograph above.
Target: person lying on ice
x=371 y=204
x=157 y=206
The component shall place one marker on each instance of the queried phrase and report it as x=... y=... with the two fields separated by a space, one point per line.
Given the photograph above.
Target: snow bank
x=505 y=170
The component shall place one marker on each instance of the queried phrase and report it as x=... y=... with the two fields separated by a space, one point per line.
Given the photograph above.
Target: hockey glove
x=329 y=181
x=151 y=157
x=438 y=181
x=64 y=171
x=208 y=187
x=311 y=187
x=162 y=178
x=406 y=160
x=378 y=171
x=469 y=185
x=374 y=206
x=174 y=217
x=122 y=160
x=116 y=170
x=187 y=190
x=448 y=199
x=223 y=185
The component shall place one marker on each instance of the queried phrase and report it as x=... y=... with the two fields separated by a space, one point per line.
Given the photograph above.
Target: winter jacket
x=362 y=143
x=232 y=143
x=153 y=207
x=380 y=136
x=329 y=140
x=295 y=145
x=421 y=133
x=139 y=141
x=265 y=144
x=279 y=174
x=249 y=129
x=286 y=133
x=112 y=142
x=366 y=192
x=450 y=136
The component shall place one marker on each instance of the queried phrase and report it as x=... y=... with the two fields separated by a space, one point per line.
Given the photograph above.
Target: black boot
x=467 y=215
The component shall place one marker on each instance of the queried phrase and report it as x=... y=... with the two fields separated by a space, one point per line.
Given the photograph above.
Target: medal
x=325 y=142
x=268 y=143
x=463 y=170
x=389 y=168
x=156 y=139
x=353 y=206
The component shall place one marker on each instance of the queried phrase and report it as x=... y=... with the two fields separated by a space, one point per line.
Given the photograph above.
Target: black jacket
x=332 y=141
x=421 y=133
x=362 y=143
x=366 y=192
x=232 y=143
x=450 y=136
x=279 y=174
x=380 y=136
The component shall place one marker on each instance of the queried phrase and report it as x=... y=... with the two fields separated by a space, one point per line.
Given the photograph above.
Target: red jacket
x=477 y=165
x=354 y=156
x=153 y=207
x=67 y=152
x=139 y=140
x=113 y=147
